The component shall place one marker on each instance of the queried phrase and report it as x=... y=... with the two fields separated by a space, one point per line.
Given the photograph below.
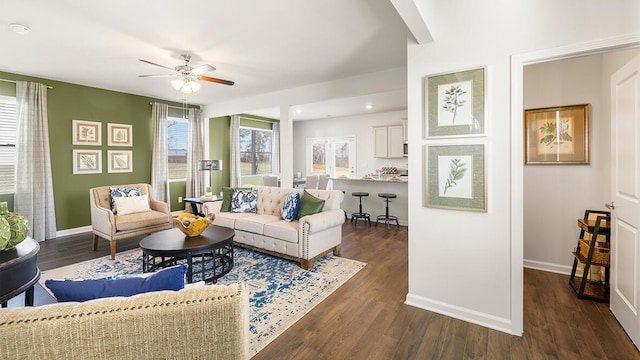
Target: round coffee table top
x=175 y=240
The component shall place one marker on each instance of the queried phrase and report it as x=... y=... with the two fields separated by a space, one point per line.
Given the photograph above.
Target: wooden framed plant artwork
x=120 y=161
x=455 y=177
x=557 y=135
x=455 y=104
x=87 y=161
x=120 y=134
x=87 y=132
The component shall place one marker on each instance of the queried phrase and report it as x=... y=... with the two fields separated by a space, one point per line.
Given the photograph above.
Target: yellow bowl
x=196 y=226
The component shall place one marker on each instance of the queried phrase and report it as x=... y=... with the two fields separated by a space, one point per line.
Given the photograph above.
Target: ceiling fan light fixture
x=177 y=84
x=194 y=85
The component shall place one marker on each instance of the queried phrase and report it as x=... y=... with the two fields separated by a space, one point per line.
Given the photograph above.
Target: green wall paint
x=219 y=148
x=67 y=102
x=8 y=198
x=177 y=189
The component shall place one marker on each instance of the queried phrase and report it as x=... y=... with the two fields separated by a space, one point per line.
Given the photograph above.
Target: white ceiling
x=263 y=46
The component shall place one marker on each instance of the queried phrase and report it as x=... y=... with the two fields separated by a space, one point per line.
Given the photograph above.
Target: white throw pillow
x=132 y=204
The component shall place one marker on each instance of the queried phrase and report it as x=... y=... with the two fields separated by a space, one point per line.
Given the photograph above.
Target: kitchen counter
x=373 y=204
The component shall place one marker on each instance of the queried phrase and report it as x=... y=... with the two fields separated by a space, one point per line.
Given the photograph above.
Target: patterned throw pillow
x=290 y=207
x=227 y=193
x=244 y=201
x=122 y=192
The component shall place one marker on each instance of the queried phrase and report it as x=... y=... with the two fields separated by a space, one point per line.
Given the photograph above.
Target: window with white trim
x=177 y=140
x=255 y=151
x=8 y=131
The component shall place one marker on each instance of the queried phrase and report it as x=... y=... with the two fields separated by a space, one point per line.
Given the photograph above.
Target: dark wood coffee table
x=18 y=271
x=214 y=248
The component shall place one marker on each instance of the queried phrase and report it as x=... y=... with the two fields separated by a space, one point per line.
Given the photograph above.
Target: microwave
x=405 y=149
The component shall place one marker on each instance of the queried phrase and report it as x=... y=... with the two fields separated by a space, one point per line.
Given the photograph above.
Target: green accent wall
x=177 y=189
x=67 y=102
x=219 y=148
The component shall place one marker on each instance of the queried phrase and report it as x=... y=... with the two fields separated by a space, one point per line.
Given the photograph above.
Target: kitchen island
x=373 y=204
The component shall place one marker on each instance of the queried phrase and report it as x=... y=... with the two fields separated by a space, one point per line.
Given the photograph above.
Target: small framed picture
x=120 y=134
x=455 y=177
x=120 y=161
x=87 y=132
x=87 y=161
x=557 y=135
x=455 y=104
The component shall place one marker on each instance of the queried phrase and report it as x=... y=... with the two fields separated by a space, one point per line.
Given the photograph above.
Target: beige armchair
x=113 y=227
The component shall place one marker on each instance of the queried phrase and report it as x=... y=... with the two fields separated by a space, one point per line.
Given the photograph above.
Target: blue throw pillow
x=244 y=201
x=122 y=192
x=171 y=278
x=291 y=206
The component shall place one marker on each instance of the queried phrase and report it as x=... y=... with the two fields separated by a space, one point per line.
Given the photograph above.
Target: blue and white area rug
x=280 y=291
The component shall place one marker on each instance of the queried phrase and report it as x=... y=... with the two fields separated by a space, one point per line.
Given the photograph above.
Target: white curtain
x=234 y=166
x=275 y=151
x=159 y=166
x=195 y=152
x=33 y=198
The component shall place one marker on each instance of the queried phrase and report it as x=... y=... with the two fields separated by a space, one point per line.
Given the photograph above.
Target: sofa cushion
x=122 y=192
x=309 y=205
x=255 y=223
x=283 y=230
x=82 y=290
x=290 y=207
x=140 y=220
x=131 y=204
x=244 y=201
x=228 y=219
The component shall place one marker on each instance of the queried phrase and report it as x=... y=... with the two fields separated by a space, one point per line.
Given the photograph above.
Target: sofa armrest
x=211 y=207
x=322 y=220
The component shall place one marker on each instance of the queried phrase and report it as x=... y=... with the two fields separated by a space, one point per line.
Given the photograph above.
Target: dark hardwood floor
x=366 y=318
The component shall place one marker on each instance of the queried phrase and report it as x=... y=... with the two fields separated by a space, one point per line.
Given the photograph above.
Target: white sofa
x=302 y=240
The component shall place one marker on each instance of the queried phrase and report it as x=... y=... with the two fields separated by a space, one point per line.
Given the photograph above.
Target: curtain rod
x=13 y=81
x=179 y=108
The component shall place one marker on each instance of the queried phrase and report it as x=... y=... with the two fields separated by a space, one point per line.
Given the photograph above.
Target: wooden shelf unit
x=594 y=228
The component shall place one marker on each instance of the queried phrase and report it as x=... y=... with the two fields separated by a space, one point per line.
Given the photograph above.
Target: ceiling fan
x=187 y=75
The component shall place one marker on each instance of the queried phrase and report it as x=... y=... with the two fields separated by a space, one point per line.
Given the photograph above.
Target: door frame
x=518 y=62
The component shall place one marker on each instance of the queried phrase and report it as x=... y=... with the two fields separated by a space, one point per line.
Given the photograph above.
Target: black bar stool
x=360 y=215
x=386 y=217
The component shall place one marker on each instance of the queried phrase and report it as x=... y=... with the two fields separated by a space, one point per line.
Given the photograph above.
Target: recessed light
x=298 y=111
x=19 y=29
x=369 y=107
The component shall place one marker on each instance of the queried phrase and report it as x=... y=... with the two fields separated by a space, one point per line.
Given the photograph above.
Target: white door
x=625 y=191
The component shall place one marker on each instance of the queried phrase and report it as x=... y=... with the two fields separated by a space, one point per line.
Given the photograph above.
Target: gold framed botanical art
x=87 y=132
x=120 y=134
x=454 y=104
x=557 y=135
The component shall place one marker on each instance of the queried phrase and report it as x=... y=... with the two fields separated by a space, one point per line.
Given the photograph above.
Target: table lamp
x=210 y=165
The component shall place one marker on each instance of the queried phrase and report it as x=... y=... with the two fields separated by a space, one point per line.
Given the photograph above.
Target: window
x=177 y=137
x=8 y=129
x=333 y=156
x=255 y=151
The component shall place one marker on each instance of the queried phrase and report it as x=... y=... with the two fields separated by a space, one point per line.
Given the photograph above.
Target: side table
x=18 y=271
x=200 y=201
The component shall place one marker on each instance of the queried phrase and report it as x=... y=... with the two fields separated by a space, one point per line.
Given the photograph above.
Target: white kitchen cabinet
x=405 y=131
x=388 y=141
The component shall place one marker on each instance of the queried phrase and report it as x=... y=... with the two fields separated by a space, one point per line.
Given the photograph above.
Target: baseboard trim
x=73 y=231
x=545 y=266
x=468 y=315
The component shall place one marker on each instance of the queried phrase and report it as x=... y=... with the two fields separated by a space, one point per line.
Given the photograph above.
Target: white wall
x=555 y=196
x=466 y=264
x=358 y=126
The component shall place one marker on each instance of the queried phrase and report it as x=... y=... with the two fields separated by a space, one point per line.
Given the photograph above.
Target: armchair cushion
x=122 y=192
x=131 y=204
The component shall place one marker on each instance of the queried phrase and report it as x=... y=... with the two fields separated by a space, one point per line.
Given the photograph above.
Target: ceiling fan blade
x=152 y=63
x=216 y=80
x=202 y=69
x=158 y=75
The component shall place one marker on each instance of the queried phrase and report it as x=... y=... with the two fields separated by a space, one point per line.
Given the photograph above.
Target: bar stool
x=386 y=217
x=360 y=215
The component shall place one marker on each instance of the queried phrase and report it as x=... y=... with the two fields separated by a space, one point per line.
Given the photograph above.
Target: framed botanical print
x=120 y=134
x=87 y=132
x=87 y=161
x=455 y=177
x=557 y=135
x=455 y=104
x=120 y=161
